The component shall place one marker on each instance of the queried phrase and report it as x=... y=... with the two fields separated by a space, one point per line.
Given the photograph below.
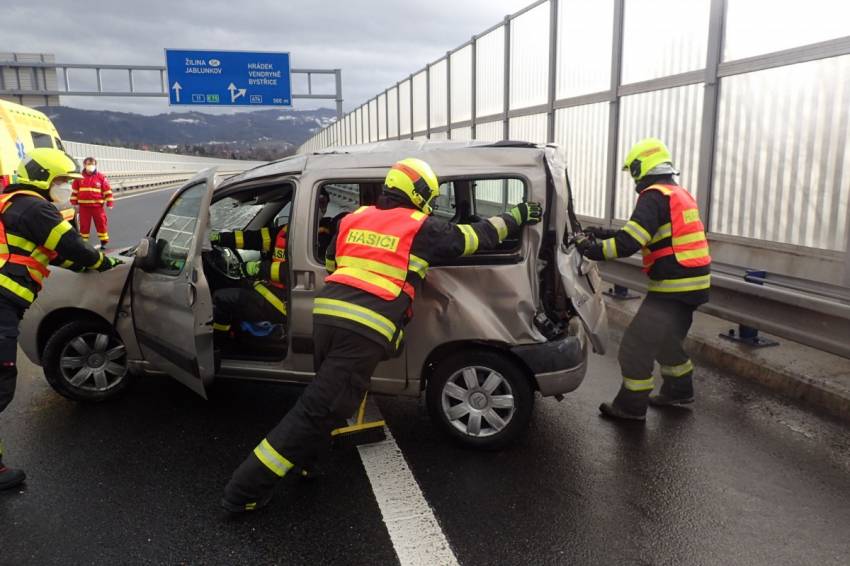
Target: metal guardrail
x=807 y=317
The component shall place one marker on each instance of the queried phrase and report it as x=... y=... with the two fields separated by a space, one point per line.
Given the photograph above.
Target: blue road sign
x=228 y=78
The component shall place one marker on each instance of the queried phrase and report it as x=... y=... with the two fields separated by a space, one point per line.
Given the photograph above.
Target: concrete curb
x=819 y=379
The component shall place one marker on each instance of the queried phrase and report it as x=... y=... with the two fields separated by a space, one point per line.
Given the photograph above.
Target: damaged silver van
x=489 y=332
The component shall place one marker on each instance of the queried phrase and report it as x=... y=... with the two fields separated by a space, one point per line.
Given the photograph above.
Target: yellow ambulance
x=22 y=129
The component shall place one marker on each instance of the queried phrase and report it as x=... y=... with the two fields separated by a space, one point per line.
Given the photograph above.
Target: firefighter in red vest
x=666 y=227
x=33 y=235
x=265 y=300
x=92 y=194
x=377 y=264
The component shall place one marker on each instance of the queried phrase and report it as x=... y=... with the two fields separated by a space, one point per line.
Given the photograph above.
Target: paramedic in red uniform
x=93 y=195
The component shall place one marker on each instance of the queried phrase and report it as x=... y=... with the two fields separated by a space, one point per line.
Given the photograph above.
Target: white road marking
x=416 y=535
x=143 y=193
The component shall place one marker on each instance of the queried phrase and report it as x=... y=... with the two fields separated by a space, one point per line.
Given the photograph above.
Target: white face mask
x=91 y=168
x=60 y=193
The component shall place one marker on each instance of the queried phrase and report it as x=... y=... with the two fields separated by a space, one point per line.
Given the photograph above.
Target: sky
x=375 y=42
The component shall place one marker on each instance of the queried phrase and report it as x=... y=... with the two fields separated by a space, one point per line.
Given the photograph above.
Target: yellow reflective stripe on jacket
x=221 y=327
x=266 y=235
x=272 y=459
x=270 y=297
x=664 y=231
x=40 y=257
x=637 y=232
x=16 y=288
x=330 y=265
x=609 y=248
x=372 y=265
x=638 y=384
x=470 y=239
x=418 y=265
x=370 y=278
x=677 y=371
x=67 y=264
x=692 y=254
x=500 y=225
x=35 y=275
x=515 y=213
x=56 y=234
x=417 y=215
x=274 y=271
x=680 y=285
x=20 y=242
x=349 y=311
x=98 y=262
x=239 y=239
x=689 y=239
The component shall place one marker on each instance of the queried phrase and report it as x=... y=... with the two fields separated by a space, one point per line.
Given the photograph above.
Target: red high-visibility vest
x=373 y=250
x=688 y=242
x=38 y=260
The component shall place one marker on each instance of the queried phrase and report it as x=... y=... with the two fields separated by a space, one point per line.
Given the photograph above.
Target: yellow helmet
x=416 y=180
x=644 y=156
x=41 y=166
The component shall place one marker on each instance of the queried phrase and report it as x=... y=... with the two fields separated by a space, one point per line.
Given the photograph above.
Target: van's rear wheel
x=86 y=360
x=481 y=398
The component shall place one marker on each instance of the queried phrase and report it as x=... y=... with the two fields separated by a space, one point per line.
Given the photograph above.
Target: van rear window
x=41 y=140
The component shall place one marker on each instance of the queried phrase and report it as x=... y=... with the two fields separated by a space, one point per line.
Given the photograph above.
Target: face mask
x=91 y=168
x=60 y=193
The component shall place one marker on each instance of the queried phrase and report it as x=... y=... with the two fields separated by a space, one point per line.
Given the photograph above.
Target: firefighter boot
x=253 y=482
x=9 y=477
x=627 y=405
x=674 y=391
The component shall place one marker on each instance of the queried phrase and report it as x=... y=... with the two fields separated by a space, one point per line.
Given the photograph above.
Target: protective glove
x=110 y=204
x=583 y=242
x=252 y=268
x=215 y=237
x=527 y=213
x=108 y=263
x=599 y=232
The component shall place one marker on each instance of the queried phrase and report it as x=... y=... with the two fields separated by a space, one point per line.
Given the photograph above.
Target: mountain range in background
x=260 y=135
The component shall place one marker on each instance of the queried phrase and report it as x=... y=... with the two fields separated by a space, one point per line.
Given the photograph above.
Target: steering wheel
x=227 y=263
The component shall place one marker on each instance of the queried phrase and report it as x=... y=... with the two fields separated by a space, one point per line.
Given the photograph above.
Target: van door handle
x=191 y=294
x=305 y=280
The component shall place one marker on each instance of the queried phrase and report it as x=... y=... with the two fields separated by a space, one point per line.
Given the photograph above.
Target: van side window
x=339 y=199
x=41 y=140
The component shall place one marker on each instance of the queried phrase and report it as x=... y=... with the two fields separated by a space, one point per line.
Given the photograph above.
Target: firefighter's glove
x=599 y=232
x=252 y=268
x=108 y=263
x=110 y=204
x=527 y=213
x=215 y=237
x=583 y=242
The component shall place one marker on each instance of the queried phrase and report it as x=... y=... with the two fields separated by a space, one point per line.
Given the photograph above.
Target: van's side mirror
x=146 y=254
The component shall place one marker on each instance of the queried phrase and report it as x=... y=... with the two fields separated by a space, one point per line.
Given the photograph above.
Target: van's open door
x=172 y=306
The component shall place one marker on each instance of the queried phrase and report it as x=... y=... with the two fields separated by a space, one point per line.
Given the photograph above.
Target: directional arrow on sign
x=176 y=88
x=235 y=92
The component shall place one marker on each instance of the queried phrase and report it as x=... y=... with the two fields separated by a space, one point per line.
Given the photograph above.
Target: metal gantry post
x=506 y=123
x=130 y=77
x=553 y=70
x=99 y=73
x=338 y=81
x=711 y=98
x=614 y=110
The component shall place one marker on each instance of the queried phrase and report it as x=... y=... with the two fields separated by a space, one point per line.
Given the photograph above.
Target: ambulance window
x=59 y=144
x=41 y=140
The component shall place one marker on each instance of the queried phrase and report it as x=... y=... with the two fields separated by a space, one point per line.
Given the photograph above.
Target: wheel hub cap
x=478 y=400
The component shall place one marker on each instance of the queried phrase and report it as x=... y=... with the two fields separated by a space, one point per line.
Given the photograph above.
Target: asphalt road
x=742 y=477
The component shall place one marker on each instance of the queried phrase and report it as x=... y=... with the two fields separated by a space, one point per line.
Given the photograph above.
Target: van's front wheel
x=481 y=398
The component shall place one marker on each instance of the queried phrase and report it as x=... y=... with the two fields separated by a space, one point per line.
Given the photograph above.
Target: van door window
x=41 y=140
x=175 y=234
x=333 y=202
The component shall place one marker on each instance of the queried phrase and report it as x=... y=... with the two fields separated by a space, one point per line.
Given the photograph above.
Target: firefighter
x=266 y=298
x=93 y=195
x=377 y=264
x=33 y=234
x=666 y=227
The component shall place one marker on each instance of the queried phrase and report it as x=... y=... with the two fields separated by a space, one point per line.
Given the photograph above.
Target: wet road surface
x=742 y=477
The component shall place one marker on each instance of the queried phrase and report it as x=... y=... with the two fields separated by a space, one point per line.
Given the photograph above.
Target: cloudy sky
x=374 y=42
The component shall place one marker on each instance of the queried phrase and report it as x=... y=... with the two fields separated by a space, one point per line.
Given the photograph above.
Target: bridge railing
x=130 y=169
x=754 y=104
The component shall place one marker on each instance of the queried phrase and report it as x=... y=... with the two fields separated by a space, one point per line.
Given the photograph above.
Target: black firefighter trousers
x=656 y=333
x=10 y=317
x=345 y=362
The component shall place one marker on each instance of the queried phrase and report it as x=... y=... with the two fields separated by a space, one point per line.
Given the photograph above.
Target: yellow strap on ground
x=679 y=370
x=355 y=313
x=272 y=459
x=470 y=239
x=270 y=297
x=56 y=234
x=638 y=384
x=372 y=265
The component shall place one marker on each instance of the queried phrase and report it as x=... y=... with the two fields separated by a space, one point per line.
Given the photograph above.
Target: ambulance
x=21 y=130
